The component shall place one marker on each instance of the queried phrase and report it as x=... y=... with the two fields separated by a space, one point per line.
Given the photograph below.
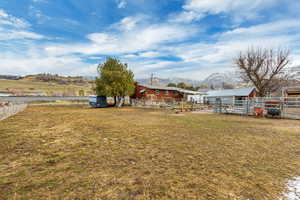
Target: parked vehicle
x=273 y=112
x=98 y=101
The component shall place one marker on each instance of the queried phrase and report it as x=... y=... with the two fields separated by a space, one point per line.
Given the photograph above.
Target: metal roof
x=231 y=92
x=154 y=87
x=293 y=89
x=204 y=90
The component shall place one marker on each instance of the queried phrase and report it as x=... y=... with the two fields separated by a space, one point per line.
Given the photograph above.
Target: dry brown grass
x=82 y=153
x=46 y=87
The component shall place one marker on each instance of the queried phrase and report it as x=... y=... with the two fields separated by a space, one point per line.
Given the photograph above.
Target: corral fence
x=8 y=109
x=280 y=107
x=171 y=105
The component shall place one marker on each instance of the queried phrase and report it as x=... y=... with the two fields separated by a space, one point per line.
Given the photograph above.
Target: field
x=45 y=87
x=81 y=153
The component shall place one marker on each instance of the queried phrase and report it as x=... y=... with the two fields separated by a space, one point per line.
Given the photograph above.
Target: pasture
x=81 y=153
x=47 y=88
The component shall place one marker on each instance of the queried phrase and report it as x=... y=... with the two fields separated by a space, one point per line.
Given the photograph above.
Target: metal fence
x=274 y=107
x=18 y=100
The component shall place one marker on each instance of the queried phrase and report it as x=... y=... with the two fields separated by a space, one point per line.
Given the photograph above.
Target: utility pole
x=151 y=79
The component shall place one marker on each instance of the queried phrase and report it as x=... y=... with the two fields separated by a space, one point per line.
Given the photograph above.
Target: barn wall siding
x=156 y=94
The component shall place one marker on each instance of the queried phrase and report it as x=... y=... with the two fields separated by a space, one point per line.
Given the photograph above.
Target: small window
x=167 y=92
x=157 y=92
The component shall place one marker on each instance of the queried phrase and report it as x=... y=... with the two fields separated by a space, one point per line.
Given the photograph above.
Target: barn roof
x=154 y=87
x=232 y=92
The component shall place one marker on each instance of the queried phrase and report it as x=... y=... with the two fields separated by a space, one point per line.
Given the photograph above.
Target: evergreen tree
x=115 y=80
x=171 y=85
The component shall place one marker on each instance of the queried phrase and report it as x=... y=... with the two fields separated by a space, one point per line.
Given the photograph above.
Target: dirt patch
x=294 y=189
x=177 y=114
x=202 y=112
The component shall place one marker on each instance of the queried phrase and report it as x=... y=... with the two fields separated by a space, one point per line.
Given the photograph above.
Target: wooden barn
x=161 y=93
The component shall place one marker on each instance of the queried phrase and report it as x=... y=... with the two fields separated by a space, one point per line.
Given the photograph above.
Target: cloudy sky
x=170 y=38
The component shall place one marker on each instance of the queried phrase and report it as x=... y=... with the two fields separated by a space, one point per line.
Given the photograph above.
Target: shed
x=229 y=96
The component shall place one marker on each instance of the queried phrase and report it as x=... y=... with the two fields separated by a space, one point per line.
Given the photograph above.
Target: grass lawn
x=81 y=153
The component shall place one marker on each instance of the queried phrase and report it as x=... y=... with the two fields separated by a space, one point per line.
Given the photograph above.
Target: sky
x=170 y=38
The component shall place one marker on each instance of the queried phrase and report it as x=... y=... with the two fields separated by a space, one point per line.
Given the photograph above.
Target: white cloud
x=16 y=34
x=283 y=27
x=95 y=57
x=199 y=59
x=238 y=10
x=6 y=19
x=186 y=17
x=150 y=54
x=122 y=3
x=129 y=56
x=12 y=27
x=128 y=23
x=32 y=61
x=138 y=38
x=40 y=16
x=143 y=45
x=101 y=38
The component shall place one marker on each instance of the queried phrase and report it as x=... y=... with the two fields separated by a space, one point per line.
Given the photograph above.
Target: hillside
x=61 y=80
x=46 y=85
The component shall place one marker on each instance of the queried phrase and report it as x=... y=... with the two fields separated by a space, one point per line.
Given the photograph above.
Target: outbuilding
x=229 y=96
x=162 y=93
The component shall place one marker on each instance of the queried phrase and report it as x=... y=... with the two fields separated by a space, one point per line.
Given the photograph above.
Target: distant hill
x=61 y=80
x=46 y=85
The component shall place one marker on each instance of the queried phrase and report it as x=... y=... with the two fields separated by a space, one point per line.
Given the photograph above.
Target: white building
x=229 y=96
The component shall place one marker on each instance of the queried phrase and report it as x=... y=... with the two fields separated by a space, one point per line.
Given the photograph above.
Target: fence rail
x=276 y=106
x=18 y=100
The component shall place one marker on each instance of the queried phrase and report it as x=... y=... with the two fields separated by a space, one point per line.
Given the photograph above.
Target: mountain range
x=217 y=80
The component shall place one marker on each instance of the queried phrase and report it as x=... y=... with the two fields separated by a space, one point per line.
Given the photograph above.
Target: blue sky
x=170 y=38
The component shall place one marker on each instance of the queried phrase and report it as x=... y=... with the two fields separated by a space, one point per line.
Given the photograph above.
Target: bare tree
x=264 y=68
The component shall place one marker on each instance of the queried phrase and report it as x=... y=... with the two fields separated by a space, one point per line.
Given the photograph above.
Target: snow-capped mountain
x=219 y=79
x=295 y=73
x=166 y=81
